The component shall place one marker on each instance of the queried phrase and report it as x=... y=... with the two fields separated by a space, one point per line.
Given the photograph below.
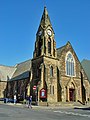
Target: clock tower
x=44 y=60
x=45 y=43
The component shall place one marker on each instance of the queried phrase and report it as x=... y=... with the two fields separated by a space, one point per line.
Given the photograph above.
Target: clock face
x=40 y=32
x=49 y=32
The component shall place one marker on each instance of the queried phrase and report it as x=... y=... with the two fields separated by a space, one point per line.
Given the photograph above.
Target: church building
x=53 y=75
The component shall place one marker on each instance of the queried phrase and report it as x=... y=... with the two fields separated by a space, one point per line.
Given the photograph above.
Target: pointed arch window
x=49 y=46
x=51 y=90
x=40 y=42
x=51 y=71
x=70 y=65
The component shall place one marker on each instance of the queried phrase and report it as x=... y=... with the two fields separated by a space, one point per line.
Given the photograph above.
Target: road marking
x=72 y=113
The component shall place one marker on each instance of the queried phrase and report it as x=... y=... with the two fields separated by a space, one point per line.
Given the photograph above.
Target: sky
x=20 y=19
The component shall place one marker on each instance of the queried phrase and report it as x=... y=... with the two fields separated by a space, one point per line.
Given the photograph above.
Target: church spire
x=45 y=44
x=45 y=20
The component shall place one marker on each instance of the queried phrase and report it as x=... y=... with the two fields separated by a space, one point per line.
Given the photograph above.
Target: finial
x=45 y=10
x=44 y=7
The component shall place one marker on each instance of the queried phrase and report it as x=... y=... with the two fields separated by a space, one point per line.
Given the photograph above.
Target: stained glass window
x=70 y=65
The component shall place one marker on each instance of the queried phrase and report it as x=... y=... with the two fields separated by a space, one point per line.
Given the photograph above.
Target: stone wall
x=3 y=89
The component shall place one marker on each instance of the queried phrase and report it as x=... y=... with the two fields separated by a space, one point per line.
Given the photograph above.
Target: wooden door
x=71 y=94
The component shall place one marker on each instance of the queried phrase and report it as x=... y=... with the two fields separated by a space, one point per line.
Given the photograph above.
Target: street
x=12 y=112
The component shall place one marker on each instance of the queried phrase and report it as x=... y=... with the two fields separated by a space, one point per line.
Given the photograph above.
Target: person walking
x=15 y=98
x=27 y=101
x=30 y=102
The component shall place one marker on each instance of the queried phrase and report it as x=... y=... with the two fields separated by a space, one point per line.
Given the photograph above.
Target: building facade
x=57 y=74
x=58 y=71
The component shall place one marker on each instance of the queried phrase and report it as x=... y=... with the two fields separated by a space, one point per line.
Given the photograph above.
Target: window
x=51 y=90
x=49 y=46
x=51 y=71
x=70 y=65
x=39 y=46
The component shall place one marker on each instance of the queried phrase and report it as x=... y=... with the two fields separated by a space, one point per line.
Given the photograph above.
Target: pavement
x=87 y=106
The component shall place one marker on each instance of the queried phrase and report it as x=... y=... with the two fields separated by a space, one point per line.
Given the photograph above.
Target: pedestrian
x=27 y=101
x=15 y=98
x=30 y=102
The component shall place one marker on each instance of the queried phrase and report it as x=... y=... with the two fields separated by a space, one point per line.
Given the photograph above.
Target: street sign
x=34 y=87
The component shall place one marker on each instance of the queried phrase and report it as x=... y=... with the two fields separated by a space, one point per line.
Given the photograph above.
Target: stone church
x=53 y=75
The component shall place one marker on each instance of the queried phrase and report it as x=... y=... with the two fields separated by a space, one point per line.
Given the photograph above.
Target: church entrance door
x=72 y=94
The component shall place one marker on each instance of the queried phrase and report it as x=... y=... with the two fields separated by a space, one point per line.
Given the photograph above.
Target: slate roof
x=6 y=72
x=17 y=72
x=22 y=70
x=86 y=66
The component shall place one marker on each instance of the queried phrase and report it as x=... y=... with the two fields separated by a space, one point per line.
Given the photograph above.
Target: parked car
x=8 y=100
x=1 y=99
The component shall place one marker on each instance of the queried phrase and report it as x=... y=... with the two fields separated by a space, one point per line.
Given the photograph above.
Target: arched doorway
x=72 y=95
